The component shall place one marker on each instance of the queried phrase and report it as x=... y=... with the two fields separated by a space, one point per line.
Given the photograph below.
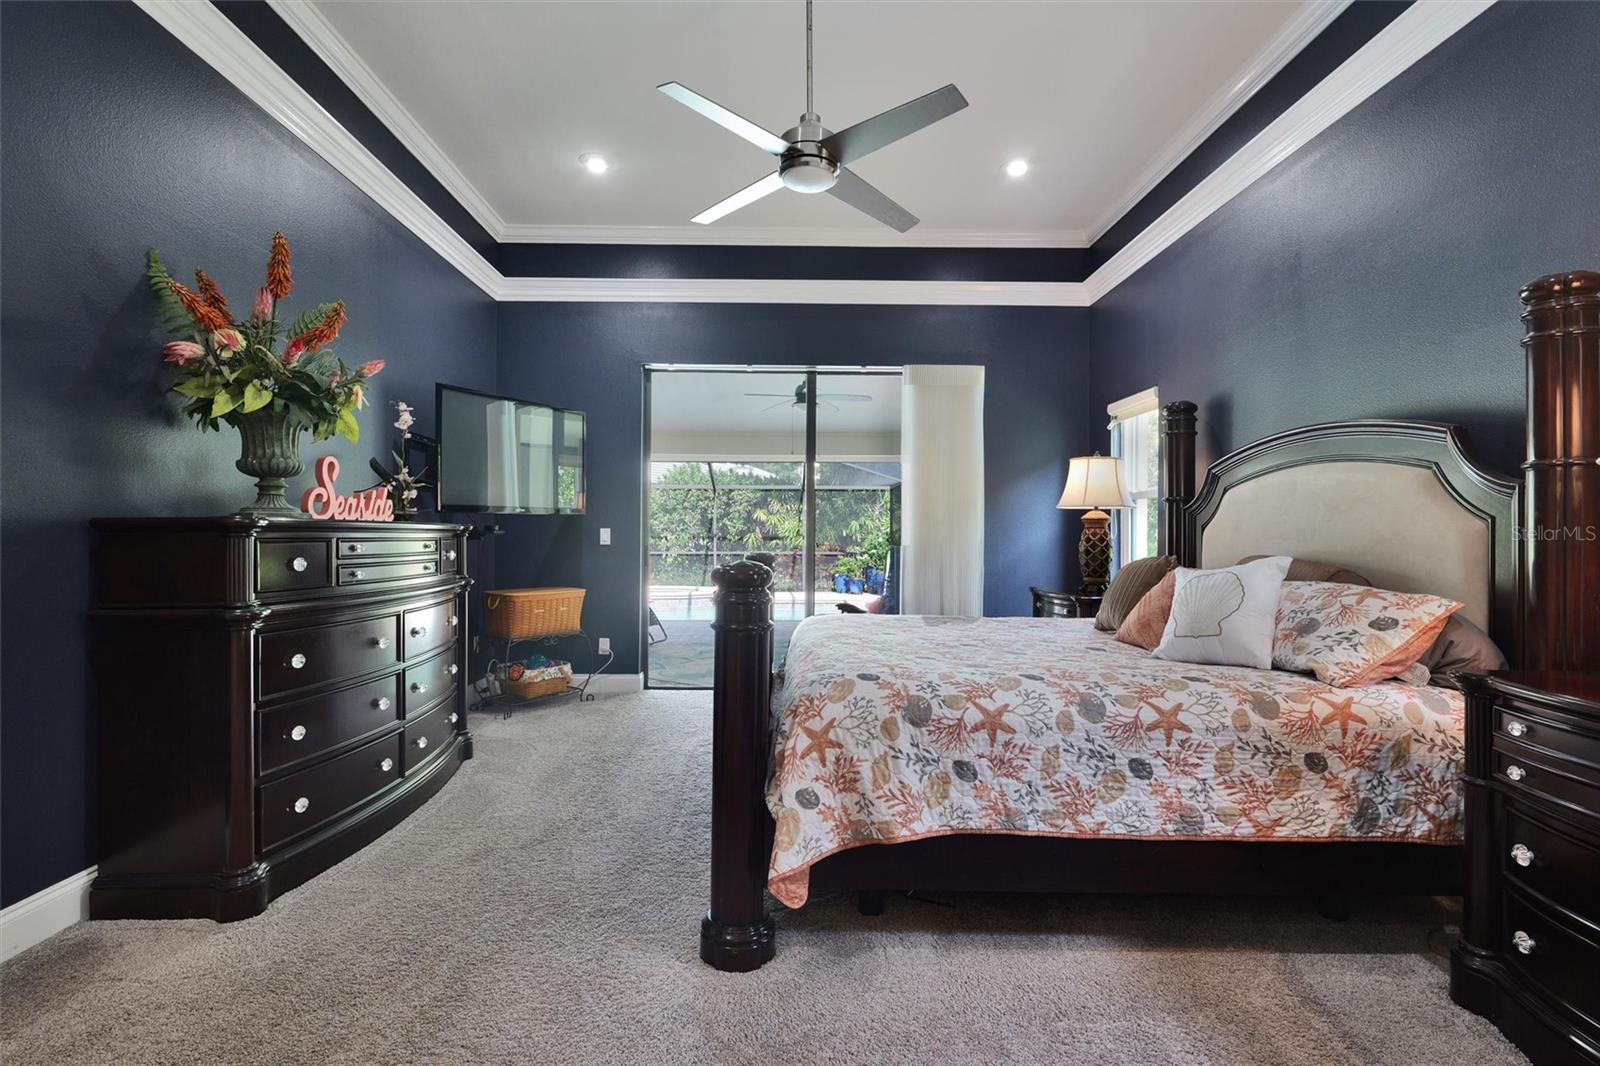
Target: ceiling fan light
x=809 y=174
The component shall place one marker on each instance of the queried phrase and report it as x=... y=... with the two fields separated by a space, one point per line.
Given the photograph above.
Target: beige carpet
x=543 y=909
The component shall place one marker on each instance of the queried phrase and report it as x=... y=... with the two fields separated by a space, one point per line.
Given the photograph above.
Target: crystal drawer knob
x=1522 y=854
x=452 y=718
x=1516 y=729
x=427 y=568
x=299 y=564
x=297 y=661
x=357 y=575
x=352 y=549
x=422 y=742
x=454 y=620
x=418 y=687
x=450 y=555
x=419 y=631
x=382 y=703
x=1516 y=773
x=1522 y=942
x=454 y=669
x=297 y=733
x=380 y=642
x=386 y=765
x=301 y=805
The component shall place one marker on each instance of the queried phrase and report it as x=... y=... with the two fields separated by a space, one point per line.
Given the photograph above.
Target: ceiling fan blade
x=844 y=397
x=747 y=195
x=770 y=143
x=769 y=395
x=783 y=403
x=856 y=192
x=869 y=135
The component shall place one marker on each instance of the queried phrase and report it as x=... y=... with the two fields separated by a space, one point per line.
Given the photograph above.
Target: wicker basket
x=520 y=614
x=525 y=689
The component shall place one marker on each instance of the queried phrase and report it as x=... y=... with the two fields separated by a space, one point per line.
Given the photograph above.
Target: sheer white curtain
x=941 y=446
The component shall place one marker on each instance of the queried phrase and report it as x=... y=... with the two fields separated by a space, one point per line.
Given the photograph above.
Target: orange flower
x=279 y=278
x=325 y=331
x=208 y=318
x=211 y=294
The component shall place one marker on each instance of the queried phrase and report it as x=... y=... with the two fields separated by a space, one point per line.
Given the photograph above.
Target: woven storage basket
x=524 y=689
x=518 y=614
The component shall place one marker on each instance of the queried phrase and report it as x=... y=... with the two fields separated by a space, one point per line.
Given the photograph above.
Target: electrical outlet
x=605 y=645
x=605 y=535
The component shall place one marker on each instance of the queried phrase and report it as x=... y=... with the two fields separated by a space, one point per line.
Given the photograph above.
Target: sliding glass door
x=799 y=469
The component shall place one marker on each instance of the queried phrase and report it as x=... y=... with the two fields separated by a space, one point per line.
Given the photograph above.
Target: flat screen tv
x=508 y=456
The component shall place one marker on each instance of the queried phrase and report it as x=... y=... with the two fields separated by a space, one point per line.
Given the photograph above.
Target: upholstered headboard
x=1400 y=502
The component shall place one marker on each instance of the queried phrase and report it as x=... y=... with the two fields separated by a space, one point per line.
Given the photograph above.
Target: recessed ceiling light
x=1017 y=167
x=595 y=163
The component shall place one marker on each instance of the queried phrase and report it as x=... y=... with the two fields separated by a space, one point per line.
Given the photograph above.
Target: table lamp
x=1095 y=482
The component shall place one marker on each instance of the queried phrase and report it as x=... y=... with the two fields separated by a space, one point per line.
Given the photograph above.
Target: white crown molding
x=209 y=34
x=45 y=913
x=314 y=28
x=838 y=237
x=1299 y=32
x=1418 y=30
x=803 y=291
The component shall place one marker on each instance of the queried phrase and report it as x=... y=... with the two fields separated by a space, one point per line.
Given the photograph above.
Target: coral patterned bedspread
x=889 y=729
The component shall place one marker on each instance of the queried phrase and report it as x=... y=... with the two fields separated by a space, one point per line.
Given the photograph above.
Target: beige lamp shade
x=1094 y=482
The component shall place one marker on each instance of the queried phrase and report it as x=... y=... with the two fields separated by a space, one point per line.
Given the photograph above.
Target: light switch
x=605 y=534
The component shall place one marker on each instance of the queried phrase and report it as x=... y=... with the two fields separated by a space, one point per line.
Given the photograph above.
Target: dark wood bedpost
x=1177 y=480
x=1561 y=486
x=736 y=933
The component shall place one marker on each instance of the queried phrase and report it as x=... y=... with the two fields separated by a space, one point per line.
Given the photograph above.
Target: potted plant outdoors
x=268 y=379
x=850 y=569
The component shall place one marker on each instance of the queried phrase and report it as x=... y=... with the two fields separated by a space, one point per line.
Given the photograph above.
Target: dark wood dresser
x=1529 y=956
x=272 y=695
x=1047 y=604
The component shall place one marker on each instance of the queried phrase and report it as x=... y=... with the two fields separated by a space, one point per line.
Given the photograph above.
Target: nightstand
x=1529 y=954
x=1065 y=604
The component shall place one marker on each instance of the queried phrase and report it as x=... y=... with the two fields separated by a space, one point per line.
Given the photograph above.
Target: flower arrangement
x=403 y=484
x=235 y=367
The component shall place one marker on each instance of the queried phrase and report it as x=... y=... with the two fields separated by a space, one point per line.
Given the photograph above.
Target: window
x=1136 y=438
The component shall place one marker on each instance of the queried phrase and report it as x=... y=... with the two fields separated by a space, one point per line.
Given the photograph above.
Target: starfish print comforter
x=889 y=729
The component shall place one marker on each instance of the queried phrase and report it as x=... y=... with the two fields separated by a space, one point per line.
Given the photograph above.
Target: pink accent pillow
x=1349 y=635
x=1148 y=619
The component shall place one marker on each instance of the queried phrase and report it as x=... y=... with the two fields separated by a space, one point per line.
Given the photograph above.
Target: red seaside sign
x=321 y=501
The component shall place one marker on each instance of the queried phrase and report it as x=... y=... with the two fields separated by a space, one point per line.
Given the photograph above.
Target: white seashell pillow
x=1224 y=617
x=1350 y=635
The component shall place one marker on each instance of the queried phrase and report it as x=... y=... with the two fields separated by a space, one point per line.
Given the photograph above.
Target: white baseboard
x=611 y=684
x=44 y=914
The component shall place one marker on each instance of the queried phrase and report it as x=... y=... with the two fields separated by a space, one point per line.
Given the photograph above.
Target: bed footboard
x=736 y=933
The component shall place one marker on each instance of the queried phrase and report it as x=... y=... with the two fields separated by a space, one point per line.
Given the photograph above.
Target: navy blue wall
x=115 y=138
x=1375 y=272
x=591 y=357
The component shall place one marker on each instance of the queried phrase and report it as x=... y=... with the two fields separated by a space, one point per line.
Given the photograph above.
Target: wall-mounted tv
x=508 y=456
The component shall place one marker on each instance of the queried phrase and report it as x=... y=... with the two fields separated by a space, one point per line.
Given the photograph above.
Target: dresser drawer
x=427 y=628
x=307 y=728
x=1546 y=730
x=363 y=548
x=284 y=565
x=366 y=573
x=297 y=658
x=429 y=682
x=427 y=736
x=1553 y=953
x=1556 y=863
x=1532 y=773
x=449 y=557
x=301 y=802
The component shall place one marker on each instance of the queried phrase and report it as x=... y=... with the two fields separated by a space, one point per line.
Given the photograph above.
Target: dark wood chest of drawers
x=271 y=696
x=1529 y=956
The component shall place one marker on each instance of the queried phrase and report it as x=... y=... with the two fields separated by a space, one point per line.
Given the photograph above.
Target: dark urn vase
x=269 y=451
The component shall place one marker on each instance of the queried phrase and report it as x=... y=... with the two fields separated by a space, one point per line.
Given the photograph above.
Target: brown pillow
x=1463 y=647
x=1311 y=570
x=1148 y=619
x=1129 y=587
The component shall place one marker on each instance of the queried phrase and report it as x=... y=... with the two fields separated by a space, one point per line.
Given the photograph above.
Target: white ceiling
x=1102 y=98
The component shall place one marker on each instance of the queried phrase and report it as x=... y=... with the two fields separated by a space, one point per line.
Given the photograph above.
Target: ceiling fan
x=824 y=399
x=811 y=157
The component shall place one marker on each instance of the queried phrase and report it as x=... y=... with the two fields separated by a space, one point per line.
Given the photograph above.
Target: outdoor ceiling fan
x=811 y=157
x=824 y=399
